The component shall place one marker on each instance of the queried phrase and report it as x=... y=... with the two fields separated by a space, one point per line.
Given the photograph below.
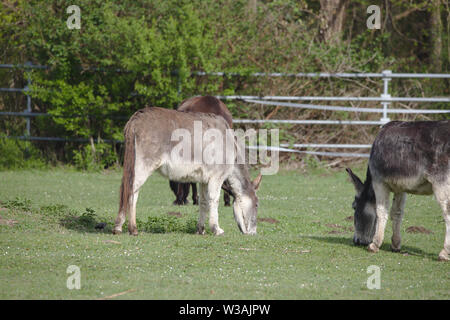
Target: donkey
x=406 y=157
x=205 y=104
x=149 y=147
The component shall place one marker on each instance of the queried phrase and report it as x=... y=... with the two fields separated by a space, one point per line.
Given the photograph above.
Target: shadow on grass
x=346 y=241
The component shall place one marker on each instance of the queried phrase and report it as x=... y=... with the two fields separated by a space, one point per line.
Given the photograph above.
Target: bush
x=15 y=154
x=95 y=157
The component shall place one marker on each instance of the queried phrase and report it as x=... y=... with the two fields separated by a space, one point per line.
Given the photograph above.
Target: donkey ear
x=356 y=181
x=257 y=181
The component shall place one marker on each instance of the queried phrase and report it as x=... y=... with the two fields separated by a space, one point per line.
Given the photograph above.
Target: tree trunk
x=332 y=16
x=436 y=37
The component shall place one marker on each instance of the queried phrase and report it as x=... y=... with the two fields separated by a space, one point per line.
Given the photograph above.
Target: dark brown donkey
x=205 y=104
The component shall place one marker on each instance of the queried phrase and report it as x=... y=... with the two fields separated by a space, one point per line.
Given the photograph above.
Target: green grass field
x=304 y=252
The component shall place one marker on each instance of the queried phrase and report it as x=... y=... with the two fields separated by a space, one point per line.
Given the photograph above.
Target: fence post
x=26 y=90
x=386 y=95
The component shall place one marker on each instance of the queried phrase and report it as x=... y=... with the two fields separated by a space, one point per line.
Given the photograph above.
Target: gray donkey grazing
x=149 y=147
x=406 y=157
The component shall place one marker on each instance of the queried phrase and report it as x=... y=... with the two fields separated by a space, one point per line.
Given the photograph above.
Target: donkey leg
x=226 y=198
x=194 y=194
x=213 y=205
x=442 y=194
x=132 y=228
x=179 y=194
x=203 y=208
x=142 y=172
x=118 y=223
x=397 y=211
x=174 y=188
x=382 y=205
x=186 y=187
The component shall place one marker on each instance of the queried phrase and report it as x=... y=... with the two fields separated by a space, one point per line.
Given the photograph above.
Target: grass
x=304 y=252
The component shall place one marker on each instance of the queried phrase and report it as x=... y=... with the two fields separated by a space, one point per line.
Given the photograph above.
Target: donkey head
x=365 y=216
x=245 y=206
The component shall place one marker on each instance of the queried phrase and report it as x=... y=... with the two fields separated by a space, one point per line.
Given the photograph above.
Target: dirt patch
x=8 y=222
x=3 y=209
x=268 y=220
x=418 y=229
x=338 y=229
x=349 y=218
x=175 y=214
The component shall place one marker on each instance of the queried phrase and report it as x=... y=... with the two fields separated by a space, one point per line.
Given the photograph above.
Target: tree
x=332 y=18
x=436 y=37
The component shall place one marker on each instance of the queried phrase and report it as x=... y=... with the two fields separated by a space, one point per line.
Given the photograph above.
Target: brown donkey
x=151 y=145
x=205 y=104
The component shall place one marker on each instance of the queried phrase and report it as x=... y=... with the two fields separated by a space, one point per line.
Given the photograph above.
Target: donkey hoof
x=218 y=232
x=443 y=256
x=373 y=248
x=133 y=232
x=200 y=231
x=395 y=249
x=117 y=231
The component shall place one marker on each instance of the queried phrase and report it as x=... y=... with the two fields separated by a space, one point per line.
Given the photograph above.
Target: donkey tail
x=126 y=188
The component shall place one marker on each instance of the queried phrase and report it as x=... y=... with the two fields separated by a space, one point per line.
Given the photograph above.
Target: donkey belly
x=183 y=172
x=413 y=185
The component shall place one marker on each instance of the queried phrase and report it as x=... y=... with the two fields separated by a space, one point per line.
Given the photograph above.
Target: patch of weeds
x=57 y=210
x=166 y=224
x=191 y=226
x=87 y=221
x=18 y=204
x=88 y=218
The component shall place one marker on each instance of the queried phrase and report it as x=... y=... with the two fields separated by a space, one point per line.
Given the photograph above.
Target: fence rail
x=385 y=99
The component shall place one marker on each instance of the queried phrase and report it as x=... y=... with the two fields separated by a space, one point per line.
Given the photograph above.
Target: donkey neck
x=240 y=182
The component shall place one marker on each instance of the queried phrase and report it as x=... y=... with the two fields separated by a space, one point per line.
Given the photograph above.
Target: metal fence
x=385 y=99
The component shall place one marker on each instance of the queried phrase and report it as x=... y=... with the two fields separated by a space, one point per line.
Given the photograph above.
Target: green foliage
x=56 y=210
x=128 y=55
x=21 y=204
x=166 y=224
x=88 y=218
x=95 y=157
x=15 y=154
